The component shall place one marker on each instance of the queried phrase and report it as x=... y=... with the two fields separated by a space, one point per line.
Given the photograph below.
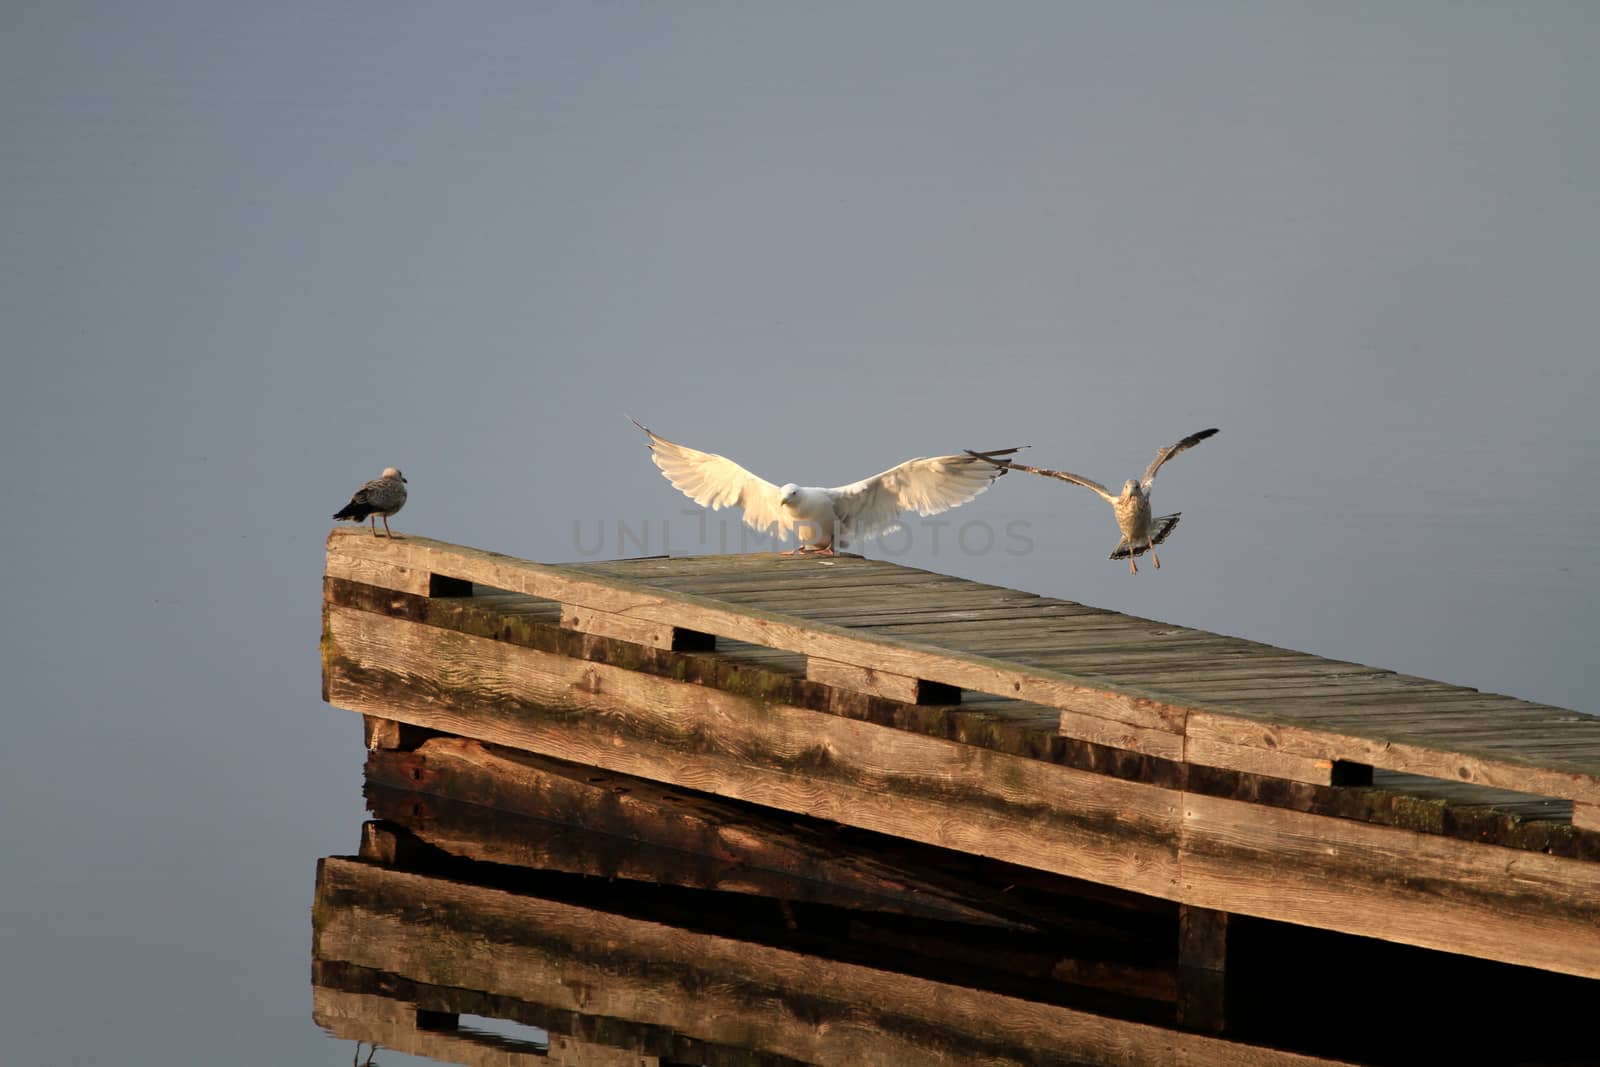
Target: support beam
x=402 y=579
x=890 y=686
x=639 y=631
x=1202 y=968
x=378 y=732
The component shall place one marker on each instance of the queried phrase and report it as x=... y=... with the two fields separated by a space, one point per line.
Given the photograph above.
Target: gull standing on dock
x=379 y=498
x=827 y=516
x=1139 y=531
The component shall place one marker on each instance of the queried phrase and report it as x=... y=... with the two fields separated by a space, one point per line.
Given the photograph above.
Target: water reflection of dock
x=759 y=810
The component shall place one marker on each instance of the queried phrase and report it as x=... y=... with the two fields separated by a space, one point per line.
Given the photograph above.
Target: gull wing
x=718 y=482
x=926 y=486
x=1172 y=450
x=379 y=495
x=1075 y=479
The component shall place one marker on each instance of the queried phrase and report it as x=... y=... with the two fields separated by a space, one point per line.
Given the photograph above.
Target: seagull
x=860 y=509
x=379 y=498
x=1139 y=531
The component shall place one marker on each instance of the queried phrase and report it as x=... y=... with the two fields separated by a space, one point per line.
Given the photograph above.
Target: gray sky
x=252 y=254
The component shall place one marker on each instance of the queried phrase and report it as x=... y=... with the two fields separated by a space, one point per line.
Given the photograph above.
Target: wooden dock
x=1200 y=773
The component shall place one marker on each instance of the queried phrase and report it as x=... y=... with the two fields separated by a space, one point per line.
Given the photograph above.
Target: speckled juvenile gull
x=1139 y=531
x=826 y=517
x=379 y=498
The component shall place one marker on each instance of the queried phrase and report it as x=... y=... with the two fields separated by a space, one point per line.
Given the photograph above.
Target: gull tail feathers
x=354 y=512
x=1161 y=528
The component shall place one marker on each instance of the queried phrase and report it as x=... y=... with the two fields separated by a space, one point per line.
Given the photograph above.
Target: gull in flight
x=827 y=516
x=379 y=498
x=1139 y=531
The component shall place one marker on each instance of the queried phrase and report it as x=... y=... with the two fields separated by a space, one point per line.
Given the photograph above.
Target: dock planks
x=651 y=986
x=1168 y=761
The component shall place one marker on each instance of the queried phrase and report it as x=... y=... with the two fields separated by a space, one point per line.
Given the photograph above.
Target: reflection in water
x=636 y=924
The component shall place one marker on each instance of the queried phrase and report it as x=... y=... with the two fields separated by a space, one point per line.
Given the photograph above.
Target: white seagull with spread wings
x=1139 y=531
x=827 y=517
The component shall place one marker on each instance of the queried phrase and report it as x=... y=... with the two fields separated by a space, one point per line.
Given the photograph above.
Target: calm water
x=253 y=254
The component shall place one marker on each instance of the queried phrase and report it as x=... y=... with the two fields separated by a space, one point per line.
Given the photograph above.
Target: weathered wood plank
x=1209 y=671
x=809 y=601
x=671 y=568
x=1212 y=753
x=895 y=614
x=879 y=683
x=1223 y=652
x=1096 y=706
x=886 y=584
x=1093 y=650
x=717 y=989
x=392 y=1024
x=583 y=819
x=1420 y=805
x=1501 y=769
x=1202 y=968
x=1511 y=905
x=495 y=836
x=378 y=732
x=998 y=723
x=378 y=572
x=1011 y=808
x=1586 y=816
x=1140 y=719
x=820 y=769
x=639 y=631
x=1123 y=634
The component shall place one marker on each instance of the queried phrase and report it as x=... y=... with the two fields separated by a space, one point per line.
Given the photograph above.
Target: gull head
x=393 y=472
x=1131 y=488
x=789 y=494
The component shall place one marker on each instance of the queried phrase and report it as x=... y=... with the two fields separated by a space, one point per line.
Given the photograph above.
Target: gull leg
x=391 y=536
x=1153 y=555
x=372 y=520
x=1133 y=568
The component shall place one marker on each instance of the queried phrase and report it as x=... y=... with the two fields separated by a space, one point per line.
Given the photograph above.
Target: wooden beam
x=732 y=993
x=378 y=732
x=765 y=674
x=877 y=683
x=1202 y=968
x=1268 y=762
x=1121 y=710
x=378 y=572
x=1507 y=770
x=1016 y=809
x=1141 y=719
x=1504 y=904
x=1198 y=748
x=1509 y=904
x=394 y=576
x=388 y=1023
x=606 y=624
x=639 y=631
x=1586 y=816
x=500 y=806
